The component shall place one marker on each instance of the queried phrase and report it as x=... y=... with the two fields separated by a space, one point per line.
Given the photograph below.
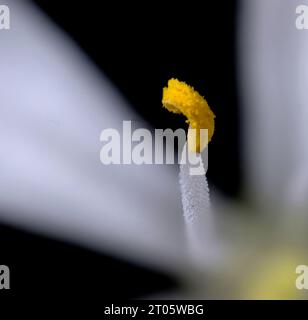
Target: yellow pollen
x=179 y=97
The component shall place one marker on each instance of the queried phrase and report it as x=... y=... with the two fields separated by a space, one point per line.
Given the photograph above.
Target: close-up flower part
x=179 y=97
x=106 y=116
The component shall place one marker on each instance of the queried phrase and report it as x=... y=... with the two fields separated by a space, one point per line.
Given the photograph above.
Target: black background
x=139 y=46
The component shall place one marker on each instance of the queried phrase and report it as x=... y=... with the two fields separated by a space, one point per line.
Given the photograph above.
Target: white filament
x=197 y=211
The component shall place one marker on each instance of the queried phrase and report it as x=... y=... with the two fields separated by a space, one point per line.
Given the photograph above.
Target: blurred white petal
x=54 y=104
x=274 y=76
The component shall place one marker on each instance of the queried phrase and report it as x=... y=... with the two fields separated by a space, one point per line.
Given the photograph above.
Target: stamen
x=179 y=97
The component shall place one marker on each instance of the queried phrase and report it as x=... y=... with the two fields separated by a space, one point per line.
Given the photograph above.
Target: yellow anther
x=179 y=97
